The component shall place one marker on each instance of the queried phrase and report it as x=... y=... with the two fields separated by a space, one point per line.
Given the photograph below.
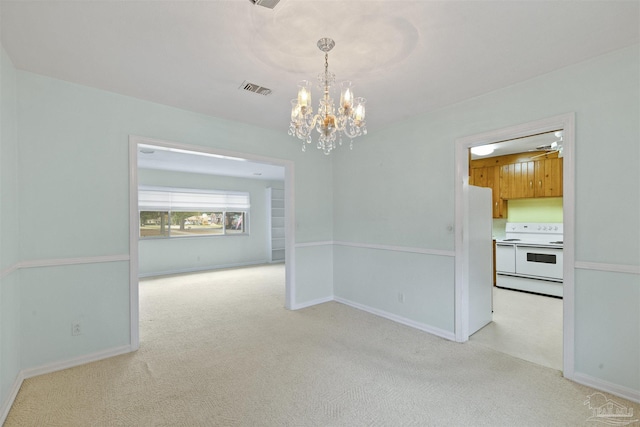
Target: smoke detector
x=265 y=3
x=252 y=87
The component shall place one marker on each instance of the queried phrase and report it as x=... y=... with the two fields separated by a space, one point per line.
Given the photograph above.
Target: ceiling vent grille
x=252 y=87
x=265 y=3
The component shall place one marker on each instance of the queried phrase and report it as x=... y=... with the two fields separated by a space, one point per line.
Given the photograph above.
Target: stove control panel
x=534 y=227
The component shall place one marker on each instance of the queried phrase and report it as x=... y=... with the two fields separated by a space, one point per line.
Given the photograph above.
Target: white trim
x=134 y=227
x=437 y=252
x=613 y=268
x=7 y=271
x=76 y=361
x=392 y=248
x=312 y=244
x=566 y=122
x=312 y=303
x=11 y=397
x=57 y=262
x=204 y=268
x=399 y=319
x=615 y=389
x=569 y=248
x=290 y=235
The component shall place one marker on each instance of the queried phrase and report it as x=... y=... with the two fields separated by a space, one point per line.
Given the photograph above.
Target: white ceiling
x=405 y=57
x=539 y=143
x=171 y=159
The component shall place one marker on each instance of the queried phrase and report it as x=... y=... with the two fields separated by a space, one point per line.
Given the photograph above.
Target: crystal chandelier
x=349 y=119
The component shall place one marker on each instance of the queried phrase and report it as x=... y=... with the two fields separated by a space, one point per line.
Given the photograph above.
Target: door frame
x=565 y=122
x=289 y=208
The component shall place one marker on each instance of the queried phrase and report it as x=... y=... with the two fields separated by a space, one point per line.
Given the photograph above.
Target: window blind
x=176 y=199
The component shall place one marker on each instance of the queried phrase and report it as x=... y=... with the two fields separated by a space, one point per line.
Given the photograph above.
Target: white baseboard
x=53 y=367
x=76 y=361
x=199 y=269
x=8 y=402
x=399 y=319
x=312 y=303
x=615 y=389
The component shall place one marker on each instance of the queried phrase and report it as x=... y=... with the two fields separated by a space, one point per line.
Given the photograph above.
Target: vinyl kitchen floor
x=526 y=326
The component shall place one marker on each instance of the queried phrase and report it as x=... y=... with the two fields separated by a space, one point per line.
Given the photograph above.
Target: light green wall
x=9 y=218
x=167 y=256
x=375 y=277
x=546 y=209
x=401 y=194
x=96 y=295
x=608 y=326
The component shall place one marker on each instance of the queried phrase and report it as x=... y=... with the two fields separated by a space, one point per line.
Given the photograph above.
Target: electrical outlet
x=75 y=328
x=400 y=297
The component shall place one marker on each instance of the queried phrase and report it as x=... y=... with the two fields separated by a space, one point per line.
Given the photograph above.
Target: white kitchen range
x=529 y=258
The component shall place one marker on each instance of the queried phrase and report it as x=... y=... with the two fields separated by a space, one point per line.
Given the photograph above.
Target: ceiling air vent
x=266 y=3
x=251 y=87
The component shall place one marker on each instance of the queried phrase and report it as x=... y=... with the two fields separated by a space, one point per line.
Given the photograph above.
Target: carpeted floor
x=218 y=349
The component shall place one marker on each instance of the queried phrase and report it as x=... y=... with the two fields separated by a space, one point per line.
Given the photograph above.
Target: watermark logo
x=608 y=411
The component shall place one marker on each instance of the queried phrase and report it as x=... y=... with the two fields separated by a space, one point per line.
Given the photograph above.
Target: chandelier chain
x=326 y=63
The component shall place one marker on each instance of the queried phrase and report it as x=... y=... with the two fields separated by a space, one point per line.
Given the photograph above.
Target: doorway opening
x=564 y=124
x=206 y=210
x=525 y=179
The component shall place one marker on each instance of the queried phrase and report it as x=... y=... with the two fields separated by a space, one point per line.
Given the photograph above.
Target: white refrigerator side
x=478 y=243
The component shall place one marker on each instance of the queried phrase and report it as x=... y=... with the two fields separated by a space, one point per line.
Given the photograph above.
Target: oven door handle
x=553 y=248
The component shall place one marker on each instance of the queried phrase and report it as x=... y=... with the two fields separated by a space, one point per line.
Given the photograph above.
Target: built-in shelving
x=275 y=202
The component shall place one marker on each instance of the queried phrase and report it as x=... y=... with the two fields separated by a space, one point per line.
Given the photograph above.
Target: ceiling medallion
x=348 y=120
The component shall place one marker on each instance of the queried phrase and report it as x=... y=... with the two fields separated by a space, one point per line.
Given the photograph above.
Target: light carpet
x=219 y=349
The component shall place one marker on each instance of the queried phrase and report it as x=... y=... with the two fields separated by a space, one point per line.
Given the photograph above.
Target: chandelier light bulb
x=304 y=94
x=295 y=110
x=346 y=95
x=359 y=110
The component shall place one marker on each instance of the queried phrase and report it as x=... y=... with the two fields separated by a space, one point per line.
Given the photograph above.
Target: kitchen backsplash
x=548 y=209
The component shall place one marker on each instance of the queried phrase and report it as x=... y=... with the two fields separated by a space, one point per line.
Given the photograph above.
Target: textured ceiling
x=405 y=57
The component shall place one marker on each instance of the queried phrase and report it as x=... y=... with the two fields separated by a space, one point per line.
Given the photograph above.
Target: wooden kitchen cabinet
x=540 y=178
x=517 y=180
x=548 y=178
x=478 y=177
x=517 y=176
x=498 y=203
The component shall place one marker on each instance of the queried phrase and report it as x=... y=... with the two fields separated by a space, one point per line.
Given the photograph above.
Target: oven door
x=545 y=263
x=505 y=258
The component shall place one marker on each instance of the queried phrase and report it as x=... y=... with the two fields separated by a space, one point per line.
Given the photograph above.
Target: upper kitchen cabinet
x=518 y=180
x=518 y=176
x=499 y=204
x=537 y=176
x=548 y=176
